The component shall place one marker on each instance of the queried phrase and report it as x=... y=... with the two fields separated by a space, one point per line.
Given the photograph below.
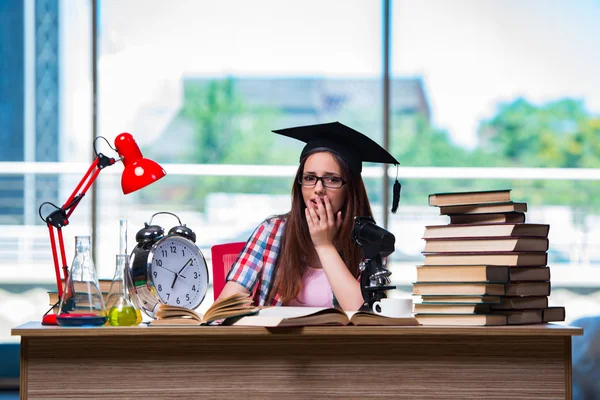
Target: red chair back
x=223 y=257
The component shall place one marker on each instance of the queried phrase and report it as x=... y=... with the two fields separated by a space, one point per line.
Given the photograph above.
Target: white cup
x=394 y=307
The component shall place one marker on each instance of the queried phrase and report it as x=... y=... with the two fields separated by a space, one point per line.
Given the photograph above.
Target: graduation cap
x=352 y=146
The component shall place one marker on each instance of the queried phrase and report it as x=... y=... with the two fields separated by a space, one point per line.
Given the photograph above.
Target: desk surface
x=36 y=329
x=310 y=362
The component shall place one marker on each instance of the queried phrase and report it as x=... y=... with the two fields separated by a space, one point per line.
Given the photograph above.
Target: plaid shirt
x=256 y=263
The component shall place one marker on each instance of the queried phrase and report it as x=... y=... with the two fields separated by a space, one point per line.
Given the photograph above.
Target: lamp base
x=49 y=319
x=82 y=319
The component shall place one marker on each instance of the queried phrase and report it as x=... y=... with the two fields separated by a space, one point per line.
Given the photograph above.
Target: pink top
x=316 y=290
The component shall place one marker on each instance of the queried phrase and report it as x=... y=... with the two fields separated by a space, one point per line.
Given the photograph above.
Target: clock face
x=178 y=272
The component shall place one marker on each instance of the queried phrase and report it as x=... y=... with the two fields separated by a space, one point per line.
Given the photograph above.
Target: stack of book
x=53 y=298
x=487 y=266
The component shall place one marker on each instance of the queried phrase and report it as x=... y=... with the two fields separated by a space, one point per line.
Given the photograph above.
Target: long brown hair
x=296 y=244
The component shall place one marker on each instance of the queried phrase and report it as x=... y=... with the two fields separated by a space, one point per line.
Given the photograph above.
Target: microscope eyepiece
x=373 y=239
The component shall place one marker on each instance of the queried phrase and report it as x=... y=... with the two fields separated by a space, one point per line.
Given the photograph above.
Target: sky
x=471 y=54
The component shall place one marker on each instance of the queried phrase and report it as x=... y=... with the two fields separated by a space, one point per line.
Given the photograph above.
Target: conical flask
x=82 y=303
x=116 y=286
x=121 y=311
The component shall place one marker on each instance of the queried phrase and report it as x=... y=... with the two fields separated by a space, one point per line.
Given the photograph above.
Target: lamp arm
x=60 y=217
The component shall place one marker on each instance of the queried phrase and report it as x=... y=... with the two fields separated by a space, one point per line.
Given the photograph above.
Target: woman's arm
x=231 y=288
x=255 y=261
x=345 y=286
x=323 y=227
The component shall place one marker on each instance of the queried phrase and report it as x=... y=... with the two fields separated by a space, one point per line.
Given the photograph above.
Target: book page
x=237 y=304
x=289 y=311
x=174 y=321
x=164 y=311
x=295 y=316
x=370 y=318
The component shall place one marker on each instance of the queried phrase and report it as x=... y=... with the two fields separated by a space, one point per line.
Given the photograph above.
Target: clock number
x=177 y=301
x=173 y=249
x=160 y=288
x=194 y=288
x=164 y=253
x=187 y=297
x=158 y=262
x=168 y=295
x=195 y=275
x=183 y=252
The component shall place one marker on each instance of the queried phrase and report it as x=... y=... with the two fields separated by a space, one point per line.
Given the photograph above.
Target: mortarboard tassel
x=396 y=193
x=396 y=196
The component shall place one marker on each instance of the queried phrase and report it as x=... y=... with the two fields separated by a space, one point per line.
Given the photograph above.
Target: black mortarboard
x=352 y=146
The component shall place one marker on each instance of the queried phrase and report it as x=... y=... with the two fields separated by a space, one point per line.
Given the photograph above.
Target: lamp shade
x=139 y=171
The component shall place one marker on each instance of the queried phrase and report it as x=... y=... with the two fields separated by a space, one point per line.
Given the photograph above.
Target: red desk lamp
x=138 y=173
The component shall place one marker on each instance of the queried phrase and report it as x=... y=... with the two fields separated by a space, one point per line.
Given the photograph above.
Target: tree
x=221 y=135
x=227 y=131
x=556 y=134
x=416 y=143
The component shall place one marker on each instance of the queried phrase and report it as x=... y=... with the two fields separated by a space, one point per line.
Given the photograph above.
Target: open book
x=236 y=305
x=307 y=316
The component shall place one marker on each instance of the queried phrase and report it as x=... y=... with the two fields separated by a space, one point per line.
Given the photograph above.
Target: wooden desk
x=416 y=362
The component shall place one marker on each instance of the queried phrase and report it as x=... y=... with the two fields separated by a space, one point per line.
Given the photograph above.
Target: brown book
x=287 y=316
x=511 y=259
x=552 y=314
x=521 y=303
x=481 y=273
x=236 y=305
x=473 y=288
x=521 y=317
x=104 y=284
x=528 y=289
x=462 y=273
x=490 y=218
x=461 y=319
x=471 y=245
x=473 y=197
x=53 y=298
x=505 y=207
x=448 y=308
x=529 y=274
x=462 y=299
x=486 y=230
x=483 y=288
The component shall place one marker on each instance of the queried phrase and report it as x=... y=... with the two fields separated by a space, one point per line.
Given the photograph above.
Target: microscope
x=377 y=243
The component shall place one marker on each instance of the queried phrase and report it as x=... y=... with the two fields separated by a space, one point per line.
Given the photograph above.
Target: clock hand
x=173 y=272
x=186 y=264
x=174 y=279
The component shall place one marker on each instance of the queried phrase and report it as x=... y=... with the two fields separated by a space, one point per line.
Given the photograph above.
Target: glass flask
x=82 y=303
x=121 y=311
x=123 y=236
x=128 y=281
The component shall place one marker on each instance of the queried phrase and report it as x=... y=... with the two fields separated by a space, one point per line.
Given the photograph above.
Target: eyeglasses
x=333 y=182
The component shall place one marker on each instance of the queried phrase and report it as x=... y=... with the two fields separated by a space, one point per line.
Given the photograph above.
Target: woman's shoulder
x=275 y=221
x=271 y=227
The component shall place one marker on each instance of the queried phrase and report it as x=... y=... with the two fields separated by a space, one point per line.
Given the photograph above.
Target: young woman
x=307 y=257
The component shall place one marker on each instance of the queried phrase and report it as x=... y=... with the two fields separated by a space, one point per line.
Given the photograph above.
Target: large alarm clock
x=168 y=269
